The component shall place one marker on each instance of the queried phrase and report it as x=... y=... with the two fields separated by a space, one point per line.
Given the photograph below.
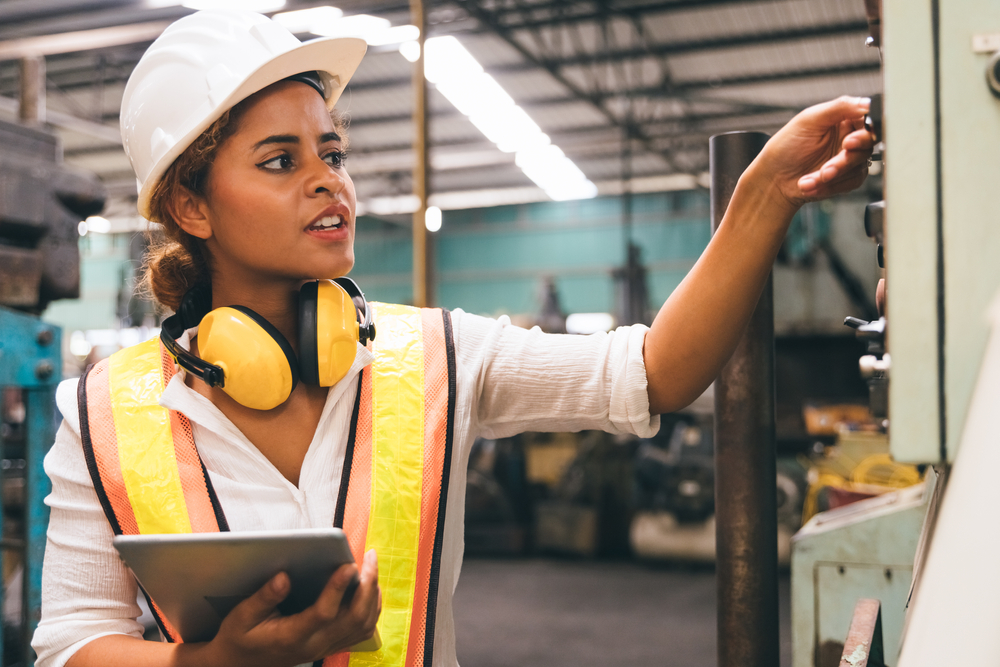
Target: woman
x=247 y=178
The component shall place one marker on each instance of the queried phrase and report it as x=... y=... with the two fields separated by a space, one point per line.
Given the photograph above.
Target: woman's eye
x=277 y=163
x=335 y=159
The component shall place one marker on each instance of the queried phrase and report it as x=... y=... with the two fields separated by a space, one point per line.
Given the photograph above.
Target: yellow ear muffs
x=328 y=333
x=259 y=365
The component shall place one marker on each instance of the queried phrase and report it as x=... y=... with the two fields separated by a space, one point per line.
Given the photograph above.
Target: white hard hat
x=204 y=64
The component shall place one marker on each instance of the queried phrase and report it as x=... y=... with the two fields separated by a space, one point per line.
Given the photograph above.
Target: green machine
x=940 y=124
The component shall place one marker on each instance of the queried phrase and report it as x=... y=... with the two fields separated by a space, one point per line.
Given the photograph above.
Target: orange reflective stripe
x=97 y=429
x=201 y=511
x=434 y=342
x=104 y=453
x=435 y=428
x=358 y=505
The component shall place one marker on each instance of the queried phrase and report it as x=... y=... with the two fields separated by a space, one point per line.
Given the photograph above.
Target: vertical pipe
x=745 y=501
x=421 y=265
x=40 y=412
x=32 y=90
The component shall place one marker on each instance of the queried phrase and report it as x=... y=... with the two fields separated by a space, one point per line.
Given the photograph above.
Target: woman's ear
x=190 y=211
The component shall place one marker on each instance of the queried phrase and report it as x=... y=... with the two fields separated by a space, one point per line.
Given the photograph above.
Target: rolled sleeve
x=527 y=380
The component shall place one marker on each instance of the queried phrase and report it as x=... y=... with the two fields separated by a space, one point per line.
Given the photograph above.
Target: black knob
x=875 y=220
x=873 y=121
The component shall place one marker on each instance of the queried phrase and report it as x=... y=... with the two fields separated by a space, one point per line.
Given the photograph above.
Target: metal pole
x=745 y=501
x=421 y=266
x=32 y=93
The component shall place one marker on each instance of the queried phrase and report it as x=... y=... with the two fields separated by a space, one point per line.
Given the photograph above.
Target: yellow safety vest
x=150 y=478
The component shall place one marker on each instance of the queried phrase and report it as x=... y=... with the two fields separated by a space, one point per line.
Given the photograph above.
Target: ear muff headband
x=366 y=322
x=194 y=306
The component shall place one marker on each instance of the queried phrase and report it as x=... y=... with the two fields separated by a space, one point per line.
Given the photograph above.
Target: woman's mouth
x=329 y=228
x=328 y=223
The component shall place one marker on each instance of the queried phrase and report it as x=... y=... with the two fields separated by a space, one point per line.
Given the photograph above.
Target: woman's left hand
x=821 y=152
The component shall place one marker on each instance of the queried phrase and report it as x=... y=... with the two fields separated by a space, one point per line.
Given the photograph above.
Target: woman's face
x=279 y=202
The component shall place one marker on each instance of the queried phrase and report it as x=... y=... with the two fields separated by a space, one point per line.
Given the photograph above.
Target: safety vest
x=150 y=478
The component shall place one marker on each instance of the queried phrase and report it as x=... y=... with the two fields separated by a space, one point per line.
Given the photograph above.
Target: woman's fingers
x=857 y=148
x=261 y=605
x=830 y=114
x=327 y=605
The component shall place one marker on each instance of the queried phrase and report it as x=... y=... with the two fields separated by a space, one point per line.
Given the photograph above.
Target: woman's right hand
x=255 y=632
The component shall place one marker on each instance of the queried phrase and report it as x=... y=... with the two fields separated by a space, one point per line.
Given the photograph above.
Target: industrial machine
x=938 y=123
x=42 y=202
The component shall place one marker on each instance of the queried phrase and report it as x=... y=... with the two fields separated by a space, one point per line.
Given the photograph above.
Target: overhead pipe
x=745 y=476
x=421 y=252
x=31 y=109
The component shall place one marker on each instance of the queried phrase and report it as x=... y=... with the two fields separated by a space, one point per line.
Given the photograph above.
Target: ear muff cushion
x=261 y=370
x=278 y=337
x=308 y=362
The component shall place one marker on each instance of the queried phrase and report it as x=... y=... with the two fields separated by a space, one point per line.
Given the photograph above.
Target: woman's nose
x=325 y=178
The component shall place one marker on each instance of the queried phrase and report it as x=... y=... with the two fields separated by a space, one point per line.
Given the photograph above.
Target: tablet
x=197 y=578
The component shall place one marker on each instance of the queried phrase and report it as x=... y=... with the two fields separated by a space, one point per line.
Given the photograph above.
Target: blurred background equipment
x=30 y=369
x=42 y=205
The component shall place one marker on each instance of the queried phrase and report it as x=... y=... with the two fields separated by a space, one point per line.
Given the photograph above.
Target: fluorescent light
x=393 y=205
x=398 y=34
x=432 y=218
x=445 y=59
x=98 y=225
x=252 y=5
x=358 y=25
x=304 y=20
x=461 y=79
x=410 y=50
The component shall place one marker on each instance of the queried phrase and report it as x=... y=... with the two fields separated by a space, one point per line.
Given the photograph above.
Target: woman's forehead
x=286 y=107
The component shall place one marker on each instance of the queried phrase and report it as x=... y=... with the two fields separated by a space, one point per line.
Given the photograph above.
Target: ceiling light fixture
x=432 y=218
x=461 y=79
x=410 y=50
x=252 y=5
x=304 y=20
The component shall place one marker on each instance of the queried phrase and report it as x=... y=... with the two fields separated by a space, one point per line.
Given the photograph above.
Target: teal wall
x=490 y=260
x=104 y=269
x=494 y=260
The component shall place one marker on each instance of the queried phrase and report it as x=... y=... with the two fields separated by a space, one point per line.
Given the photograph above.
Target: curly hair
x=175 y=261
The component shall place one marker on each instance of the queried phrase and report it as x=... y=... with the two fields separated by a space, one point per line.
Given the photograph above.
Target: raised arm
x=821 y=152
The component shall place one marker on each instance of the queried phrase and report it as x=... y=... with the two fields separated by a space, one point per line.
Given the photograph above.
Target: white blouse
x=509 y=380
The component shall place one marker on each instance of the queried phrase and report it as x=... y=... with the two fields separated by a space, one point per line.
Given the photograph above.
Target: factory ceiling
x=630 y=90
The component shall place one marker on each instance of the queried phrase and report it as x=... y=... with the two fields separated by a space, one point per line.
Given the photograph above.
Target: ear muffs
x=241 y=352
x=258 y=364
x=329 y=330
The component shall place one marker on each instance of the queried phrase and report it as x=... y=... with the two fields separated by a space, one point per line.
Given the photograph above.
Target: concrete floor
x=559 y=613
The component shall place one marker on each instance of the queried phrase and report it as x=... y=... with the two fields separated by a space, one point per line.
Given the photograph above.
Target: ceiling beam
x=719 y=43
x=112 y=135
x=83 y=40
x=553 y=13
x=676 y=90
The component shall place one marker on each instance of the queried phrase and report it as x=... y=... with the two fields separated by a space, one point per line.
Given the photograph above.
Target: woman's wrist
x=759 y=206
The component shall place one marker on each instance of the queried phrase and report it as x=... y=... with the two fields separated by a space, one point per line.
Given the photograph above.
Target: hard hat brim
x=337 y=56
